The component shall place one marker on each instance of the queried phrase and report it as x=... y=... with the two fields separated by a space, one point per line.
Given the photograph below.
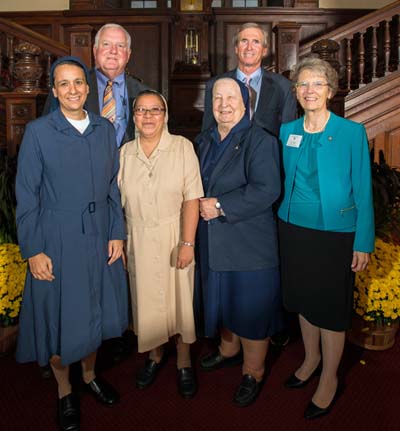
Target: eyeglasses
x=152 y=111
x=317 y=85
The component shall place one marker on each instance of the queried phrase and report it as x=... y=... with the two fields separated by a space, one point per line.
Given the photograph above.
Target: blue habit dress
x=248 y=303
x=69 y=208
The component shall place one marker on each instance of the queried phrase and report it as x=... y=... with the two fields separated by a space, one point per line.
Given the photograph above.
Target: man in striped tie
x=112 y=90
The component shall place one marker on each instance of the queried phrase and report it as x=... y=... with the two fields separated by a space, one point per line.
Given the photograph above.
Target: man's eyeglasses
x=317 y=85
x=152 y=111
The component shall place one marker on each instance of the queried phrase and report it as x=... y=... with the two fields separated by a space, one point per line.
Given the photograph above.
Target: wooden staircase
x=368 y=52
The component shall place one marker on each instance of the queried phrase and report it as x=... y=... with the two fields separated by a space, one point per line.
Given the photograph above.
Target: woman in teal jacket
x=326 y=226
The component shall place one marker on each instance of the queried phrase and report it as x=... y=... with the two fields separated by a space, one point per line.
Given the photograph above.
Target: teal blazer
x=344 y=172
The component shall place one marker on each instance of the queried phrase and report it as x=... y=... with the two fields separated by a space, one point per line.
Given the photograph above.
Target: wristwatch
x=219 y=208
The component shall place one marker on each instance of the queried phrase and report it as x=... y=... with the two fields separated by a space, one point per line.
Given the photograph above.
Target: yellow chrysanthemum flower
x=12 y=279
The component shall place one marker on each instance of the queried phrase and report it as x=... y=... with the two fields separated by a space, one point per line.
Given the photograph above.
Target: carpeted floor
x=370 y=402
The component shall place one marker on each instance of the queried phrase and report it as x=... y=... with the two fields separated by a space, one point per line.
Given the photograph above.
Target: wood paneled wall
x=152 y=59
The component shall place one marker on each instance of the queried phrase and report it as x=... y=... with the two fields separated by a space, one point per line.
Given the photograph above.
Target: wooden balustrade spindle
x=387 y=47
x=361 y=61
x=374 y=52
x=398 y=42
x=48 y=66
x=349 y=64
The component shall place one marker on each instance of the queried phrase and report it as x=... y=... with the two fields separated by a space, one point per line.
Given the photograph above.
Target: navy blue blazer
x=276 y=102
x=246 y=181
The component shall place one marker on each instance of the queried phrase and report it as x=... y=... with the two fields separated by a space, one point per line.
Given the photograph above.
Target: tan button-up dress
x=153 y=190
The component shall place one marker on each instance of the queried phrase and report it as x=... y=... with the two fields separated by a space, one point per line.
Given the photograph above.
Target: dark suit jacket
x=134 y=87
x=246 y=181
x=276 y=102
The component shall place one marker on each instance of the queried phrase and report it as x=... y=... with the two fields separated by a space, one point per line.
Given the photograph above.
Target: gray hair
x=317 y=65
x=111 y=25
x=251 y=25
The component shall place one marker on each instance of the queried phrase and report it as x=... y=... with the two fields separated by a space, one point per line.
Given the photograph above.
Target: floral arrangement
x=377 y=293
x=12 y=278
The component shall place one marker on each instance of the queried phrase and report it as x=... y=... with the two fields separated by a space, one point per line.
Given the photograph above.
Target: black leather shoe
x=146 y=375
x=102 y=391
x=248 y=391
x=280 y=340
x=68 y=413
x=294 y=382
x=215 y=360
x=187 y=384
x=46 y=372
x=313 y=411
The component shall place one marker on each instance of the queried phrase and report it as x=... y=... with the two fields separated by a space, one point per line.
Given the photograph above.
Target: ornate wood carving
x=27 y=70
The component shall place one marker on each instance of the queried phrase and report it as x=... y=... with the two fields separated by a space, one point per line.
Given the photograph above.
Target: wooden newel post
x=328 y=50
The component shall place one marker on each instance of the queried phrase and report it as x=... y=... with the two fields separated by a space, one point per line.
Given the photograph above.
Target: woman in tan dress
x=160 y=188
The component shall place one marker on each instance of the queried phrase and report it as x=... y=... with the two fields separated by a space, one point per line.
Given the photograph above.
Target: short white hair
x=112 y=25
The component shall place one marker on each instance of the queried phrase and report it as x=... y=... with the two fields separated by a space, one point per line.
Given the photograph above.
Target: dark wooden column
x=286 y=46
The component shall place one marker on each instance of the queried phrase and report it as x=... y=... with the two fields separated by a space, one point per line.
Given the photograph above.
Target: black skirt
x=316 y=275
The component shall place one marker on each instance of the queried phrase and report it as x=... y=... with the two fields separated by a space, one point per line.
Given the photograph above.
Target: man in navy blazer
x=111 y=51
x=274 y=102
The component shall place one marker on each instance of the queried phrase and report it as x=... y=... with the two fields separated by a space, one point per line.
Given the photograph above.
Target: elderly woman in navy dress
x=71 y=230
x=238 y=258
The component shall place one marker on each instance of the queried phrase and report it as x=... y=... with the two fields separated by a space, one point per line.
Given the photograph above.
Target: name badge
x=294 y=141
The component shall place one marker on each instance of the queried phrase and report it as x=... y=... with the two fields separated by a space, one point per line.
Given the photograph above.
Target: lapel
x=203 y=147
x=232 y=152
x=331 y=130
x=267 y=93
x=92 y=102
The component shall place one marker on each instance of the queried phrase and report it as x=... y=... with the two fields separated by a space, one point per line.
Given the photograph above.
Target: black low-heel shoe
x=187 y=383
x=68 y=413
x=214 y=361
x=146 y=375
x=294 y=382
x=102 y=391
x=313 y=411
x=248 y=391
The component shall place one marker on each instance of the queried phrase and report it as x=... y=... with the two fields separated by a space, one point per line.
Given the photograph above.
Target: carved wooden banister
x=27 y=55
x=369 y=47
x=23 y=33
x=347 y=31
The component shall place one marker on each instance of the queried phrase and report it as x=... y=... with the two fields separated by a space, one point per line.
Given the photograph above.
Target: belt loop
x=92 y=207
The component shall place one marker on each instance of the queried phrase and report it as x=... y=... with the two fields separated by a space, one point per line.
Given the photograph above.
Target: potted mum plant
x=377 y=290
x=12 y=266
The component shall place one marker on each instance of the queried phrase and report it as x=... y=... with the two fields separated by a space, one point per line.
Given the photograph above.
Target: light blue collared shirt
x=120 y=94
x=255 y=83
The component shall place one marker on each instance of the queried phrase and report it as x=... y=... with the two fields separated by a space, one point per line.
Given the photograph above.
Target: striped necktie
x=252 y=97
x=108 y=110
